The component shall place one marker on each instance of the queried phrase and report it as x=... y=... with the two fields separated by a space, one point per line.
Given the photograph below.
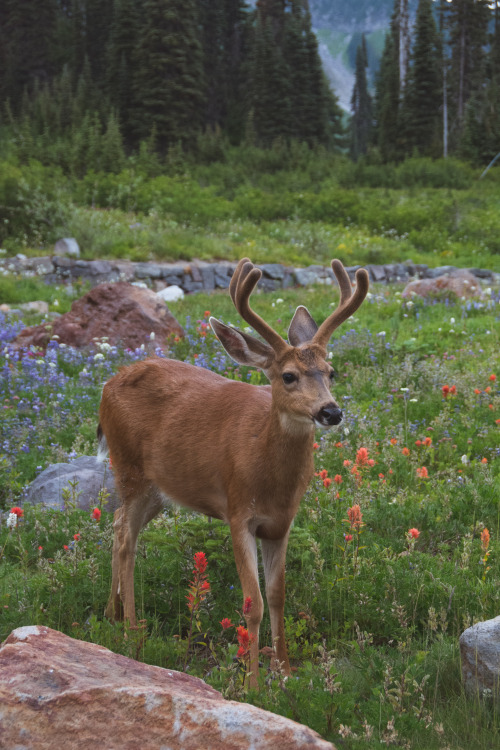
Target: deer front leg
x=273 y=557
x=245 y=555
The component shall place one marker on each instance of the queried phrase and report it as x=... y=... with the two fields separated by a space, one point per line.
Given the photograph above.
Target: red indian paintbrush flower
x=226 y=623
x=19 y=512
x=96 y=514
x=355 y=517
x=247 y=605
x=414 y=533
x=485 y=539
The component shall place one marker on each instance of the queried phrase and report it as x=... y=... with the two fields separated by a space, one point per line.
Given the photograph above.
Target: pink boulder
x=58 y=692
x=459 y=282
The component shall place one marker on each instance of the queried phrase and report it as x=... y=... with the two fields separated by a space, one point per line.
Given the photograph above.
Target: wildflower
x=477 y=391
x=405 y=451
x=315 y=446
x=338 y=445
x=11 y=521
x=323 y=474
x=76 y=537
x=362 y=457
x=418 y=443
x=347 y=462
x=226 y=623
x=393 y=441
x=244 y=640
x=206 y=314
x=65 y=546
x=427 y=442
x=487 y=389
x=200 y=562
x=422 y=473
x=96 y=514
x=348 y=537
x=484 y=460
x=337 y=479
x=492 y=377
x=40 y=548
x=453 y=390
x=247 y=606
x=465 y=459
x=327 y=482
x=381 y=476
x=445 y=390
x=485 y=539
x=19 y=512
x=355 y=517
x=414 y=533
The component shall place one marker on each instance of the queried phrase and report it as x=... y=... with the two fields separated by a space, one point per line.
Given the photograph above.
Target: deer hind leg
x=245 y=555
x=273 y=557
x=114 y=608
x=138 y=508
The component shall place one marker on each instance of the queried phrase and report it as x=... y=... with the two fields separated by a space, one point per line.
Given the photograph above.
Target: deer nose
x=330 y=415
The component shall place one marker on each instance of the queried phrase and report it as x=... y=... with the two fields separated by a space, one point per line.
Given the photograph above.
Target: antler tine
x=349 y=301
x=243 y=282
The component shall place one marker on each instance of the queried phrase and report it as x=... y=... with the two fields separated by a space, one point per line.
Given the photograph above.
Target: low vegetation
x=394 y=551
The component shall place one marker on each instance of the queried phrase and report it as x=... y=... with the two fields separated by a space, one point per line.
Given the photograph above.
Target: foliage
x=388 y=558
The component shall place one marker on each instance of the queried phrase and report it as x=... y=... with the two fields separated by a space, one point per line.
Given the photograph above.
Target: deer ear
x=244 y=349
x=302 y=328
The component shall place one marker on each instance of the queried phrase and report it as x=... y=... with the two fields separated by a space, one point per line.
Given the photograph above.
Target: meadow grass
x=374 y=607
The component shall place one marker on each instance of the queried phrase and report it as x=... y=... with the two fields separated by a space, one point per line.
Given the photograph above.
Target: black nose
x=330 y=415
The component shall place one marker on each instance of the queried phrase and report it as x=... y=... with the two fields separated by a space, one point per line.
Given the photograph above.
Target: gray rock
x=480 y=652
x=433 y=273
x=67 y=246
x=208 y=276
x=309 y=275
x=147 y=271
x=377 y=273
x=222 y=276
x=91 y=475
x=42 y=266
x=99 y=267
x=38 y=306
x=273 y=271
x=481 y=273
x=195 y=273
x=268 y=285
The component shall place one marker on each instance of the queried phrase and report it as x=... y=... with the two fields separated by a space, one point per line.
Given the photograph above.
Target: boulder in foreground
x=57 y=692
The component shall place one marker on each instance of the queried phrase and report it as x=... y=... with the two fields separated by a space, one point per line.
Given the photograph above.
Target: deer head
x=298 y=371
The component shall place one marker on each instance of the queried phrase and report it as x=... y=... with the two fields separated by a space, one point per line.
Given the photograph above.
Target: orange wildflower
x=226 y=623
x=427 y=442
x=422 y=473
x=337 y=479
x=323 y=474
x=477 y=391
x=405 y=451
x=362 y=457
x=355 y=517
x=485 y=539
x=414 y=533
x=492 y=377
x=484 y=460
x=445 y=390
x=393 y=441
x=327 y=482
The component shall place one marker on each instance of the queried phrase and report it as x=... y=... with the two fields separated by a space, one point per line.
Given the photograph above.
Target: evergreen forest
x=86 y=83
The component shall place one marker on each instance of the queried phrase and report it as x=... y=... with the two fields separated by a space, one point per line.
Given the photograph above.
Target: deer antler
x=349 y=301
x=242 y=284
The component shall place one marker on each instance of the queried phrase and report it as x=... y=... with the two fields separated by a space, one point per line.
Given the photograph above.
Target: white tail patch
x=102 y=450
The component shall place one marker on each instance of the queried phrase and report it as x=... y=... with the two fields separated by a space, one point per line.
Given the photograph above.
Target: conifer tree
x=168 y=81
x=422 y=101
x=387 y=100
x=361 y=105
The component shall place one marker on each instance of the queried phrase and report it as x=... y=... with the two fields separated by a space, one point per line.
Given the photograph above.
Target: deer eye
x=289 y=377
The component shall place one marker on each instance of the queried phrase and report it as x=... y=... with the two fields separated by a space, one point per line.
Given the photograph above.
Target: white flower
x=404 y=389
x=409 y=304
x=12 y=521
x=465 y=459
x=382 y=333
x=330 y=355
x=452 y=320
x=279 y=301
x=152 y=336
x=414 y=400
x=346 y=430
x=56 y=303
x=98 y=356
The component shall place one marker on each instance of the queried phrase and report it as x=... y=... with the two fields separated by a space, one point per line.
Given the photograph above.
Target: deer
x=243 y=453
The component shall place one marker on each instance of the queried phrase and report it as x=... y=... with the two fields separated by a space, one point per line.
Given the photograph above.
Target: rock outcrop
x=121 y=313
x=480 y=652
x=57 y=692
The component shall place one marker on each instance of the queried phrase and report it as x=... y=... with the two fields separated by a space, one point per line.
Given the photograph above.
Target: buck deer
x=231 y=450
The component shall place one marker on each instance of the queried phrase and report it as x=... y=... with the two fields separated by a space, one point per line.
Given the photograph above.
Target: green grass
x=373 y=622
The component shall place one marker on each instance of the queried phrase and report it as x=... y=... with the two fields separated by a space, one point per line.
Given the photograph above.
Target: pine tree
x=422 y=102
x=361 y=105
x=120 y=62
x=168 y=81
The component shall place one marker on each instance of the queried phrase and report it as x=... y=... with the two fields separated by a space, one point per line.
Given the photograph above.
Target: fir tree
x=422 y=103
x=168 y=81
x=361 y=105
x=387 y=100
